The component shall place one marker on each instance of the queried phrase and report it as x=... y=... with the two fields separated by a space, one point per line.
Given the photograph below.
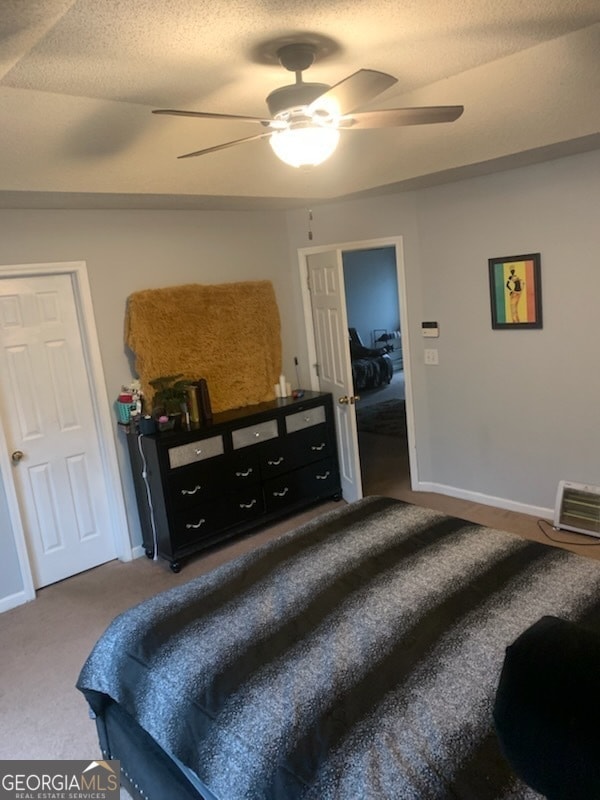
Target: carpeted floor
x=387 y=418
x=43 y=645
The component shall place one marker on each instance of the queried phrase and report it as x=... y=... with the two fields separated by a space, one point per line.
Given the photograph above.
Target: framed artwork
x=516 y=291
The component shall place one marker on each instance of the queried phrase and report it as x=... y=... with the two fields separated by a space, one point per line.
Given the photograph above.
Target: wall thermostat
x=430 y=330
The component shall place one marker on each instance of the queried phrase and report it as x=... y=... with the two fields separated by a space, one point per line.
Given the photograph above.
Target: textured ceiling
x=79 y=78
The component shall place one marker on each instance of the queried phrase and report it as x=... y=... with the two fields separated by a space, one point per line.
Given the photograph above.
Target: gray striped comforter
x=355 y=658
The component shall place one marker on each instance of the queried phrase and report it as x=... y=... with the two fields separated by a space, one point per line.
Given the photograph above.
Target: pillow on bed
x=547 y=709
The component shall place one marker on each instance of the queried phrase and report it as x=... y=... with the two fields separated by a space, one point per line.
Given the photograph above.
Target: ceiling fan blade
x=225 y=145
x=356 y=90
x=209 y=115
x=397 y=117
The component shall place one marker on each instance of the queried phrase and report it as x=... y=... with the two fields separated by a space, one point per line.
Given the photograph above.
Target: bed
x=353 y=658
x=370 y=367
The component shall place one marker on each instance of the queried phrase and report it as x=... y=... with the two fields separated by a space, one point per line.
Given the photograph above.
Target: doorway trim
x=369 y=244
x=99 y=414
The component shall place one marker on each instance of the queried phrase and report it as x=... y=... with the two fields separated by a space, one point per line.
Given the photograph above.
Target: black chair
x=358 y=349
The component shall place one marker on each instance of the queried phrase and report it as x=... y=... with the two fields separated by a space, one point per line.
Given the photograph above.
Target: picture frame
x=516 y=291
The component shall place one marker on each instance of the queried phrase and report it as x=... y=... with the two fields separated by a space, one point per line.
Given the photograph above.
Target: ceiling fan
x=306 y=118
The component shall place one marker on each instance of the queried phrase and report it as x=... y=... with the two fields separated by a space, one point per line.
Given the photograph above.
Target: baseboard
x=138 y=551
x=485 y=500
x=14 y=600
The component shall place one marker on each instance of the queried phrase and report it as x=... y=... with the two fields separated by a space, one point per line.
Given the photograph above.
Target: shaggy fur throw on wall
x=227 y=333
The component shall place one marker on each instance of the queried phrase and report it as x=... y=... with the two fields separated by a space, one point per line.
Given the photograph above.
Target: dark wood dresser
x=250 y=467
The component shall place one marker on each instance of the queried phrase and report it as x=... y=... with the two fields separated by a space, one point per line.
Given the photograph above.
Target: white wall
x=126 y=251
x=371 y=284
x=511 y=412
x=506 y=414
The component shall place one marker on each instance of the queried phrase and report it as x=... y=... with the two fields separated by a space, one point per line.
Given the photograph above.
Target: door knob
x=17 y=456
x=344 y=400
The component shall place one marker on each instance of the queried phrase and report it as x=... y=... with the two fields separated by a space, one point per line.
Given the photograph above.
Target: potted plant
x=169 y=396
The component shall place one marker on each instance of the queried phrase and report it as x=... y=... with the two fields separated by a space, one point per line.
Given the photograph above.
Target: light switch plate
x=432 y=356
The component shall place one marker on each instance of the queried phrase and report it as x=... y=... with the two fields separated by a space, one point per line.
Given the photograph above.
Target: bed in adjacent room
x=354 y=658
x=371 y=367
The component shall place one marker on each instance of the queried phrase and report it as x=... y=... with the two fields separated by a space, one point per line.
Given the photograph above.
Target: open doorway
x=374 y=323
x=385 y=461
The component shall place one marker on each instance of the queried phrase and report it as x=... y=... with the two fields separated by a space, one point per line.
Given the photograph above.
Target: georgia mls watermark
x=59 y=780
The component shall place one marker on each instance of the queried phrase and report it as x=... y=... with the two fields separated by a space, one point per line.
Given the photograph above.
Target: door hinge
x=316 y=366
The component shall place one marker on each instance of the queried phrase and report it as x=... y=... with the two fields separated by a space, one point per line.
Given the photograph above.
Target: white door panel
x=333 y=357
x=46 y=406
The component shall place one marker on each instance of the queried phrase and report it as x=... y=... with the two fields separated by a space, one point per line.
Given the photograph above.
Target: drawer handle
x=275 y=463
x=323 y=477
x=248 y=505
x=281 y=494
x=191 y=491
x=318 y=447
x=195 y=525
x=198 y=451
x=307 y=419
x=257 y=434
x=244 y=474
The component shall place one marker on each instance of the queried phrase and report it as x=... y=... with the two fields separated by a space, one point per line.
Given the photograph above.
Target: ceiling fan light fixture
x=305 y=146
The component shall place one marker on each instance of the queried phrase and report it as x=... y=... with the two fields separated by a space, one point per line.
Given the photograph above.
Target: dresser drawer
x=312 y=444
x=254 y=434
x=246 y=506
x=202 y=522
x=317 y=480
x=196 y=483
x=208 y=519
x=304 y=419
x=320 y=479
x=242 y=469
x=293 y=451
x=199 y=450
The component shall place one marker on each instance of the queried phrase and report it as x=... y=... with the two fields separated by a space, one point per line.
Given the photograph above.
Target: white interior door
x=47 y=416
x=326 y=286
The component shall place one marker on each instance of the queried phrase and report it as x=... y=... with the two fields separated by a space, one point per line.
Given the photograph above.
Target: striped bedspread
x=368 y=373
x=355 y=658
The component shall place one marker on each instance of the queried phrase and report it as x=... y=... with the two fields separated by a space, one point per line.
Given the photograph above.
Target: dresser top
x=268 y=409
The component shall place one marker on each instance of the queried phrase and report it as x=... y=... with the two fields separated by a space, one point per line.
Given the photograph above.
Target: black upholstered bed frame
x=147 y=772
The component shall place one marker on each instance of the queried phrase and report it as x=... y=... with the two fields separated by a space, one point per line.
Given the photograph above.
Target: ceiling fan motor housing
x=296 y=95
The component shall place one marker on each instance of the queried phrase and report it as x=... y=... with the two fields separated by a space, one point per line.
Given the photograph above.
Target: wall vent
x=577 y=508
